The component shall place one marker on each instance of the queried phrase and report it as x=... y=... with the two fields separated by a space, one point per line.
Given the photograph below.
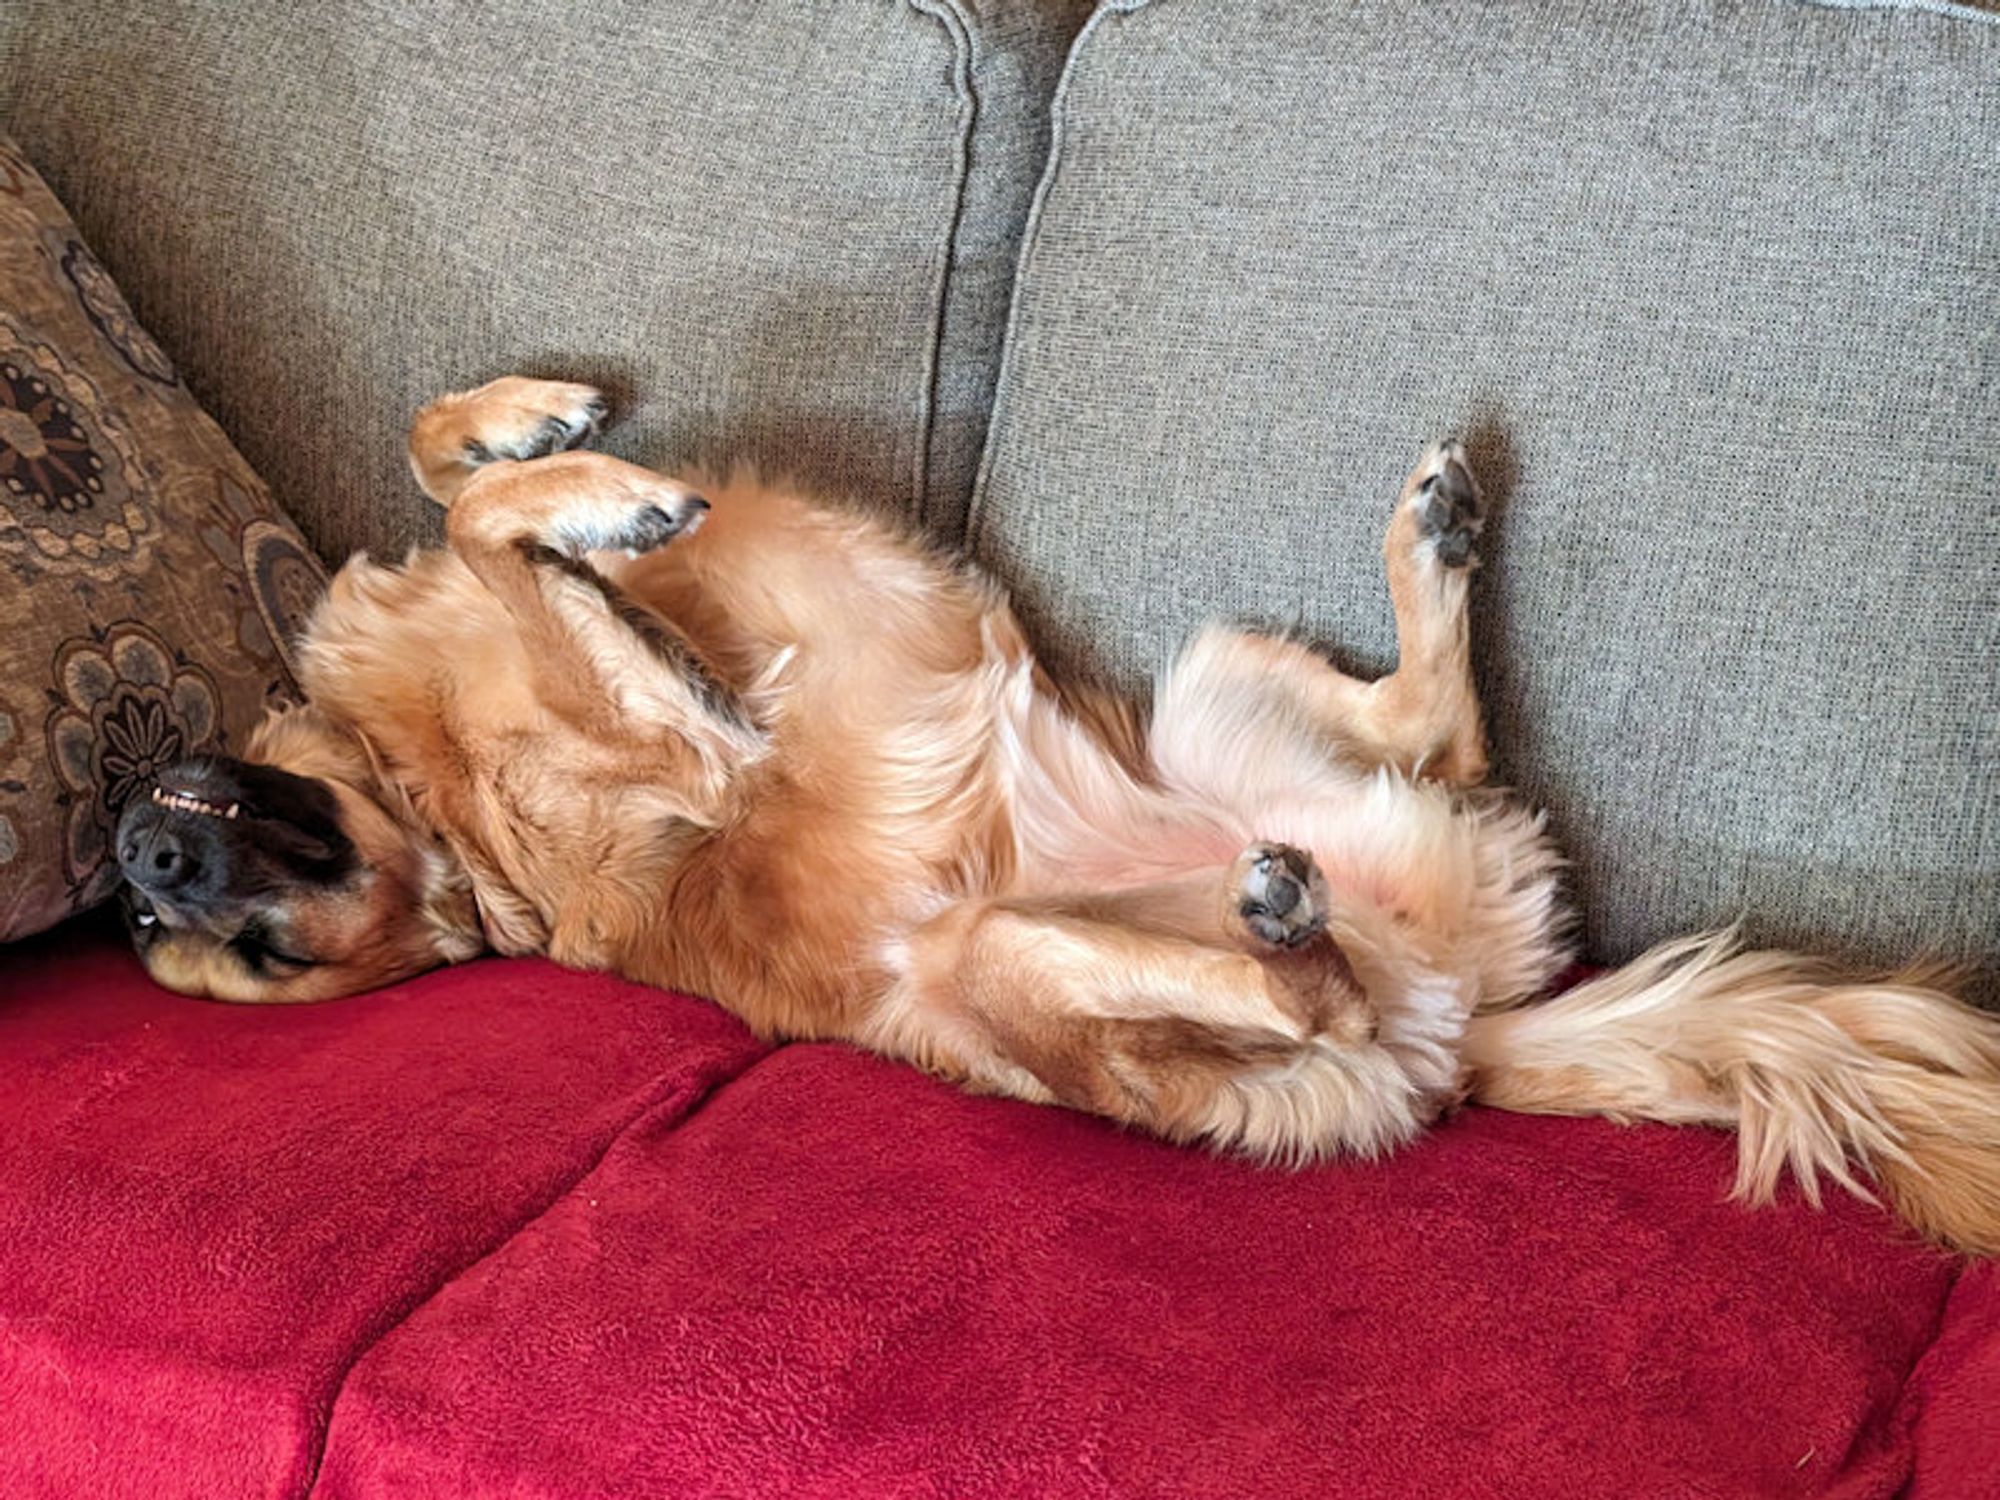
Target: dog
x=726 y=739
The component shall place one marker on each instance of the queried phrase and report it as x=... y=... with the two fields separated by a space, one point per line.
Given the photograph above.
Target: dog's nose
x=154 y=857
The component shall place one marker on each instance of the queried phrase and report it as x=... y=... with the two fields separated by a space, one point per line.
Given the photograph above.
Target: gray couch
x=1153 y=307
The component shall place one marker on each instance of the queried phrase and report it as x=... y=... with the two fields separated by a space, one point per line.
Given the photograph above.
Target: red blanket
x=207 y=1212
x=839 y=1279
x=514 y=1231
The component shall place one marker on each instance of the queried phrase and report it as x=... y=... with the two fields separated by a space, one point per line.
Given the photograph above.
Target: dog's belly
x=1082 y=822
x=1458 y=887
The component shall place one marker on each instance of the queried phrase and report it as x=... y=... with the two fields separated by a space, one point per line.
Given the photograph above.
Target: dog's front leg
x=525 y=518
x=601 y=659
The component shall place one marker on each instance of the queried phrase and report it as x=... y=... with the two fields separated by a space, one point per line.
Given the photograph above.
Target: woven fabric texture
x=148 y=583
x=1714 y=292
x=759 y=226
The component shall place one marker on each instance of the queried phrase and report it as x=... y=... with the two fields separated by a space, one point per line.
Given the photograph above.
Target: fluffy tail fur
x=1891 y=1077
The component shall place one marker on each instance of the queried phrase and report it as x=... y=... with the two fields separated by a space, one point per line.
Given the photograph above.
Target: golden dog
x=793 y=760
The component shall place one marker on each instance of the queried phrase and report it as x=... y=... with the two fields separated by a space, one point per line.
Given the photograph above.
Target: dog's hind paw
x=1278 y=894
x=1445 y=499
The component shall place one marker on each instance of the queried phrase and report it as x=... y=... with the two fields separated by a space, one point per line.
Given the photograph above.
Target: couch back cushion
x=779 y=234
x=1714 y=290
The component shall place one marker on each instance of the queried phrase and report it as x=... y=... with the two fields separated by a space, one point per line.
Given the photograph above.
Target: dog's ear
x=510 y=924
x=449 y=907
x=297 y=737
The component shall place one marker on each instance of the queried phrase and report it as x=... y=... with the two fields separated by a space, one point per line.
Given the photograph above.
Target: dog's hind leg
x=1423 y=719
x=1213 y=1007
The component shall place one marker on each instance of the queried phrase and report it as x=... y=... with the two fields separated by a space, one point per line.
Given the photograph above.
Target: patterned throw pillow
x=148 y=584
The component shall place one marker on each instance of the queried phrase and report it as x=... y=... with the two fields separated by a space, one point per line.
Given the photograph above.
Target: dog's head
x=295 y=875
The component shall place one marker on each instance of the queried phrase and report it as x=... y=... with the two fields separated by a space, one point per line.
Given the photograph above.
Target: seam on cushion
x=1893 y=1424
x=1956 y=10
x=1907 y=1408
x=975 y=509
x=706 y=1085
x=949 y=15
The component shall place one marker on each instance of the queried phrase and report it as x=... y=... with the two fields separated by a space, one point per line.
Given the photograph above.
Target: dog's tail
x=1890 y=1077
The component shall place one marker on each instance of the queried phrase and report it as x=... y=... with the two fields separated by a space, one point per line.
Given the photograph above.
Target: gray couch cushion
x=786 y=231
x=1715 y=290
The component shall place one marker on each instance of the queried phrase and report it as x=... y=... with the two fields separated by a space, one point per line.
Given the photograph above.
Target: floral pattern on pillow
x=149 y=586
x=70 y=476
x=129 y=707
x=105 y=308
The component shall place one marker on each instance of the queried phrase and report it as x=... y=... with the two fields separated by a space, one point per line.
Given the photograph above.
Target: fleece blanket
x=1953 y=1398
x=207 y=1212
x=510 y=1230
x=840 y=1279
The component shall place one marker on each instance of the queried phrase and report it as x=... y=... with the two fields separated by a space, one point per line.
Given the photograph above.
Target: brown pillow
x=148 y=584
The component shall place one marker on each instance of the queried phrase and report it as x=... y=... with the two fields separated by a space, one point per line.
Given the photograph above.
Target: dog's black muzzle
x=216 y=833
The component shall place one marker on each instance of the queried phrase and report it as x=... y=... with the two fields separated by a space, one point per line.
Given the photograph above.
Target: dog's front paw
x=602 y=504
x=1445 y=499
x=653 y=523
x=573 y=504
x=512 y=418
x=517 y=418
x=1278 y=895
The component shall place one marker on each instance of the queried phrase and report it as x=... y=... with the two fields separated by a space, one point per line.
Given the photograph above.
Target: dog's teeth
x=188 y=802
x=145 y=919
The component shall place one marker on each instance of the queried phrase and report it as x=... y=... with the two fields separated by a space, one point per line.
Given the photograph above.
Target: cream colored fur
x=1822 y=1076
x=796 y=761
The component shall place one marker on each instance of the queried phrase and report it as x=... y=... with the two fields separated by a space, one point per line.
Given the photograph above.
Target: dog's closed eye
x=254 y=946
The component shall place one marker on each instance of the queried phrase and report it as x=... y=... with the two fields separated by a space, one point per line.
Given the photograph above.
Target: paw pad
x=1448 y=512
x=654 y=525
x=1280 y=895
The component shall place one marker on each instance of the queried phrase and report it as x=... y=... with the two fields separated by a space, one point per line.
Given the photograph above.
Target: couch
x=1148 y=305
